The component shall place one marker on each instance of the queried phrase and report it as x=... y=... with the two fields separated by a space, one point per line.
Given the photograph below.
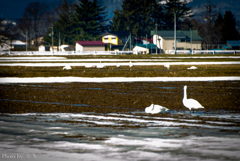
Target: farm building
x=89 y=46
x=115 y=40
x=145 y=48
x=185 y=40
x=234 y=45
x=43 y=48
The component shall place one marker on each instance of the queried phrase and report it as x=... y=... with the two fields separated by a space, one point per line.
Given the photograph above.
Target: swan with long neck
x=191 y=104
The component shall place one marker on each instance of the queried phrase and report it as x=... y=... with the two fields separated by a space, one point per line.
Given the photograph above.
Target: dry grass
x=116 y=97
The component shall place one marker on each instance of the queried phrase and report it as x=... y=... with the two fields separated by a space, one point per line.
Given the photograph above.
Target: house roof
x=181 y=34
x=234 y=43
x=226 y=47
x=116 y=33
x=90 y=43
x=148 y=46
x=141 y=39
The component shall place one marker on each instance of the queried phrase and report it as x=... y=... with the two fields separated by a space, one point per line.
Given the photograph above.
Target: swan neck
x=185 y=93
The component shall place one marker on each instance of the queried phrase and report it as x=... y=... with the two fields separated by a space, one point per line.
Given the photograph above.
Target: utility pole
x=191 y=38
x=175 y=32
x=26 y=40
x=156 y=36
x=59 y=40
x=146 y=41
x=130 y=41
x=52 y=38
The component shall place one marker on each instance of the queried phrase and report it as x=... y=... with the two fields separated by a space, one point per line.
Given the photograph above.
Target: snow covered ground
x=117 y=136
x=122 y=64
x=62 y=61
x=111 y=79
x=38 y=136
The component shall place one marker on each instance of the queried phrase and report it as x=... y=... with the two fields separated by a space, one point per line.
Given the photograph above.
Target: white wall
x=41 y=48
x=78 y=47
x=140 y=49
x=158 y=42
x=4 y=47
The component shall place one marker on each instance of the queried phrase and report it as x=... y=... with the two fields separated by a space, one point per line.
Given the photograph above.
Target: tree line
x=87 y=20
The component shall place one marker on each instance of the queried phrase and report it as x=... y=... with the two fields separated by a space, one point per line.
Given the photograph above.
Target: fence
x=31 y=53
x=204 y=52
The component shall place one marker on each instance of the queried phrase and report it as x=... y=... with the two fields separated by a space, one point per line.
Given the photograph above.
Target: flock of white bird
x=68 y=67
x=189 y=103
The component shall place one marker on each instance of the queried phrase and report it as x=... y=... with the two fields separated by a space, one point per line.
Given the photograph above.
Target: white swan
x=118 y=65
x=154 y=109
x=130 y=64
x=191 y=104
x=192 y=67
x=101 y=66
x=67 y=67
x=89 y=66
x=167 y=66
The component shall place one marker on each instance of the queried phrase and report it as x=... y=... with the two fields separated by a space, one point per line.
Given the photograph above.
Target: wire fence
x=65 y=52
x=204 y=52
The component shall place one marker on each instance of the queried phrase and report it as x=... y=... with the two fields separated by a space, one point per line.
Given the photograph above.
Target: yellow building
x=115 y=40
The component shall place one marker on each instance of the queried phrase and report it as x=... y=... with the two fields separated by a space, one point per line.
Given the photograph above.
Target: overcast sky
x=13 y=9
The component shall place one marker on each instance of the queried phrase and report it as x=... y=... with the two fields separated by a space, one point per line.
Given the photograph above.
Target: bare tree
x=209 y=16
x=35 y=20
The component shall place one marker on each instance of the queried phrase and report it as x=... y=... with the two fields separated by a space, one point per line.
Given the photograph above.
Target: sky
x=13 y=9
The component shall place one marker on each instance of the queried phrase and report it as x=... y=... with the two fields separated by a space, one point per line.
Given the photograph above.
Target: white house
x=4 y=46
x=145 y=48
x=89 y=46
x=185 y=40
x=12 y=44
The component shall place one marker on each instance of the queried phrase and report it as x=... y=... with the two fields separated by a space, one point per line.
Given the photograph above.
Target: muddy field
x=124 y=71
x=107 y=121
x=117 y=97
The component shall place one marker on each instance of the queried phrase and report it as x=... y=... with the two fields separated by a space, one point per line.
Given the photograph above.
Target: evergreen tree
x=229 y=31
x=64 y=24
x=61 y=29
x=137 y=16
x=217 y=29
x=89 y=20
x=180 y=8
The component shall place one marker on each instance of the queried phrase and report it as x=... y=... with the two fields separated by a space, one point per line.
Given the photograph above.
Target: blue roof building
x=234 y=44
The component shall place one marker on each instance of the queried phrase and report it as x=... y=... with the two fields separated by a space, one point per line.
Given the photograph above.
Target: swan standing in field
x=154 y=109
x=167 y=66
x=130 y=64
x=191 y=104
x=67 y=67
x=192 y=67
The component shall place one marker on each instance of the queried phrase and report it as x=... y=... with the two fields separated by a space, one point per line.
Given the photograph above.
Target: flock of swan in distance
x=189 y=103
x=68 y=67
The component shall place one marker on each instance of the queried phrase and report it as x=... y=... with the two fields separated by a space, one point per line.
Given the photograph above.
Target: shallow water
x=89 y=136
